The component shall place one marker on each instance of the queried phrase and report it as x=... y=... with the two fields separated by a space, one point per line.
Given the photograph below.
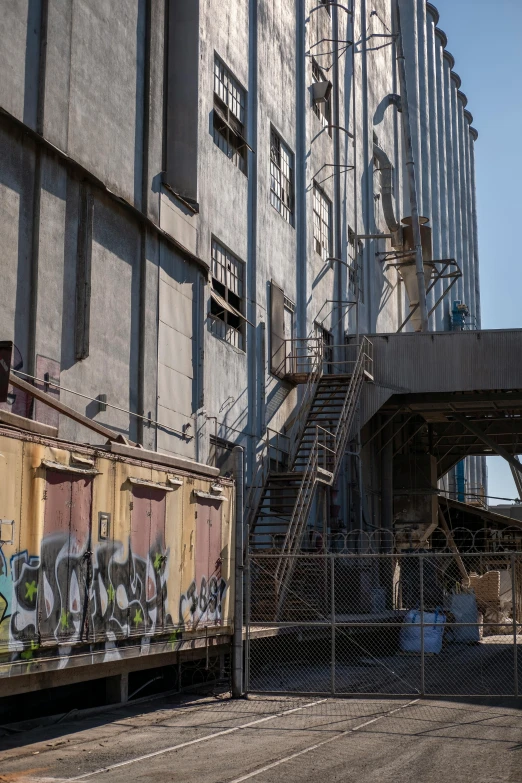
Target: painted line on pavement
x=319 y=744
x=192 y=742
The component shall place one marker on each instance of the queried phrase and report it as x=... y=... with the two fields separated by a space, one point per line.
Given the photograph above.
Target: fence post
x=514 y=613
x=332 y=615
x=421 y=589
x=237 y=645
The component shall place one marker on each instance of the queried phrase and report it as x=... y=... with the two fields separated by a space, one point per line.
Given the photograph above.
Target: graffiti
x=128 y=595
x=203 y=606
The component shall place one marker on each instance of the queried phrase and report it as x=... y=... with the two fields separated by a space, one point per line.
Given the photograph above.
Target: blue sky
x=484 y=38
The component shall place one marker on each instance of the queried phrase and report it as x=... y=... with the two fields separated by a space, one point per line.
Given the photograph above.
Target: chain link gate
x=415 y=623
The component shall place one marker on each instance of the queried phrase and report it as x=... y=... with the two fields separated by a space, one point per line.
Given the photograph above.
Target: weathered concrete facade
x=118 y=198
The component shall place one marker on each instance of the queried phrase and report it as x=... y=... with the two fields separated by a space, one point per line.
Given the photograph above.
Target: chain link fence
x=413 y=623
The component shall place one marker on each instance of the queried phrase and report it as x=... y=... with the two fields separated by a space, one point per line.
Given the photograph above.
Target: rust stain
x=10 y=777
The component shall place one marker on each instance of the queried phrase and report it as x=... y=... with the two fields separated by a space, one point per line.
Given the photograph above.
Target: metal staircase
x=282 y=494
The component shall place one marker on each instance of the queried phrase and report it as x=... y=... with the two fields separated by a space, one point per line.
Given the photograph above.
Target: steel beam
x=500 y=450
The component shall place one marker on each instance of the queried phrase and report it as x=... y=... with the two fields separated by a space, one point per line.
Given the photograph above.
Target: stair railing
x=314 y=347
x=309 y=478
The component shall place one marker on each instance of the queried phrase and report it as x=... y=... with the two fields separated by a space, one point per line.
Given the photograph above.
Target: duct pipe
x=386 y=189
x=237 y=643
x=410 y=166
x=442 y=320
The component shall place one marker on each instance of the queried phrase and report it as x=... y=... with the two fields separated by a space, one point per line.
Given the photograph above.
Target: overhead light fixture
x=321 y=91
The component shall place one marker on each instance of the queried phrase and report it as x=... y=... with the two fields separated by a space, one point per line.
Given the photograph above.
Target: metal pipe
x=514 y=614
x=355 y=189
x=410 y=166
x=237 y=642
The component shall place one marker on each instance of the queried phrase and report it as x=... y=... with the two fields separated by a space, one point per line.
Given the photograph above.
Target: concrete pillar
x=117 y=689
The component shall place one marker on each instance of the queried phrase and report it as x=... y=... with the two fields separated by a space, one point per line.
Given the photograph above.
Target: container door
x=65 y=558
x=147 y=562
x=208 y=560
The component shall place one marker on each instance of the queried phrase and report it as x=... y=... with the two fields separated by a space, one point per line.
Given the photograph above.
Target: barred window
x=281 y=177
x=322 y=223
x=355 y=268
x=323 y=109
x=229 y=115
x=227 y=303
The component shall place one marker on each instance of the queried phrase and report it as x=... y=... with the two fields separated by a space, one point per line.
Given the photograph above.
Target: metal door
x=63 y=583
x=147 y=561
x=208 y=560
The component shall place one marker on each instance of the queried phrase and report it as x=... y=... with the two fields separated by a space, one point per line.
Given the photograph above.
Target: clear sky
x=484 y=38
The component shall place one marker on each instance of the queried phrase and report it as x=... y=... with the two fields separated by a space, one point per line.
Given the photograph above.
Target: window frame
x=324 y=116
x=229 y=115
x=224 y=324
x=318 y=194
x=285 y=207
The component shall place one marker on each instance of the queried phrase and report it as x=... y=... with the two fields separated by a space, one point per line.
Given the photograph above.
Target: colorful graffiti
x=101 y=596
x=68 y=585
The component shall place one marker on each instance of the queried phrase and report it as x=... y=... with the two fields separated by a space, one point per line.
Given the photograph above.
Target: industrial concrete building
x=205 y=206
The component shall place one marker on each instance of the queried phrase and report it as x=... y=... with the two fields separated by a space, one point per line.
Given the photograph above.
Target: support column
x=117 y=689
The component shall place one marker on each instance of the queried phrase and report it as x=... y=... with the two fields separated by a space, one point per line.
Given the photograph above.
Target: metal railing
x=337 y=442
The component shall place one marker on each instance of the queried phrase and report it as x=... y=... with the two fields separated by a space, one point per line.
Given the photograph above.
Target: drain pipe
x=237 y=643
x=410 y=166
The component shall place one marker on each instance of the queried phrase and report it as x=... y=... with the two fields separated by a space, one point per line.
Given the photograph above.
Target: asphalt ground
x=268 y=739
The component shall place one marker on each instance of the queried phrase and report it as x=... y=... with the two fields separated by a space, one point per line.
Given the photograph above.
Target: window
x=227 y=305
x=327 y=338
x=355 y=268
x=322 y=108
x=288 y=318
x=322 y=223
x=229 y=116
x=222 y=456
x=281 y=177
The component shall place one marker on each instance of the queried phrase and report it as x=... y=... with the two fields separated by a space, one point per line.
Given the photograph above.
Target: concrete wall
x=94 y=86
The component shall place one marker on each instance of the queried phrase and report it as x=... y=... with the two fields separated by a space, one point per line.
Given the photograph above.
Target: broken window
x=229 y=116
x=322 y=223
x=222 y=456
x=281 y=177
x=322 y=108
x=227 y=305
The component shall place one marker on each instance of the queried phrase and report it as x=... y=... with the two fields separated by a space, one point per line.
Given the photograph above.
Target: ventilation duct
x=408 y=267
x=386 y=169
